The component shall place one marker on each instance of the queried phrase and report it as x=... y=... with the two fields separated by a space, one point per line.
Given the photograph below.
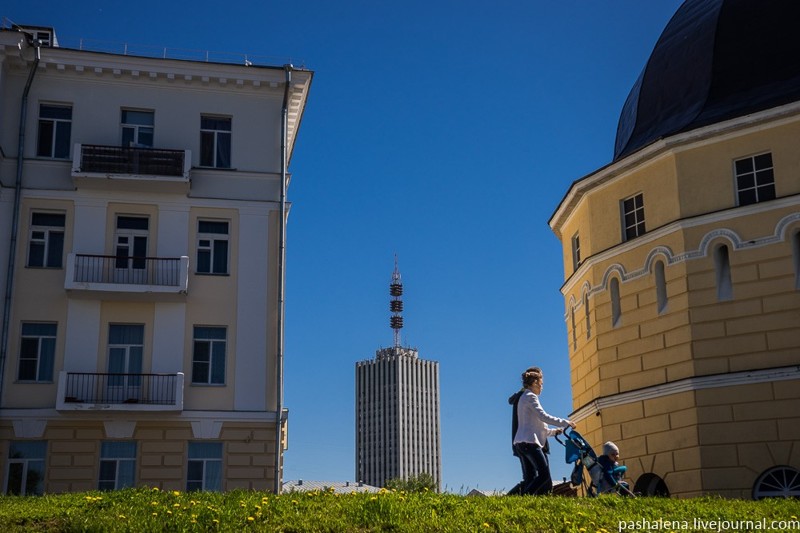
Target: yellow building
x=142 y=229
x=682 y=262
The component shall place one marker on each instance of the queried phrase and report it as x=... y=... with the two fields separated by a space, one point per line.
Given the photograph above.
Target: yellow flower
x=176 y=505
x=122 y=516
x=176 y=493
x=487 y=526
x=250 y=519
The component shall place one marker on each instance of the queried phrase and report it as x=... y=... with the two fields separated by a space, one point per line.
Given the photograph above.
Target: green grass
x=151 y=510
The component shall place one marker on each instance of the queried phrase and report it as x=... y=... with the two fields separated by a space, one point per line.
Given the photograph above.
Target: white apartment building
x=141 y=260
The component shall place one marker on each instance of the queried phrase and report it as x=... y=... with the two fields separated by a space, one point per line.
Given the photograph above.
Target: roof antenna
x=396 y=303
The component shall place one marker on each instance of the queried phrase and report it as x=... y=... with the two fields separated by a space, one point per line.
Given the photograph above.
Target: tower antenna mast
x=396 y=303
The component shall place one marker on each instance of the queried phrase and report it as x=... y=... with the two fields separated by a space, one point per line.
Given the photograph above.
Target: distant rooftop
x=339 y=487
x=159 y=52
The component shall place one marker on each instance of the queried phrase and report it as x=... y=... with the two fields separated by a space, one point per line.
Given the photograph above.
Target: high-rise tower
x=397 y=409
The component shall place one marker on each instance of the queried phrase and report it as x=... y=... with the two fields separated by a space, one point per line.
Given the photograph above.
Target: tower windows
x=796 y=257
x=661 y=287
x=633 y=217
x=616 y=309
x=574 y=332
x=587 y=315
x=722 y=267
x=755 y=179
x=576 y=251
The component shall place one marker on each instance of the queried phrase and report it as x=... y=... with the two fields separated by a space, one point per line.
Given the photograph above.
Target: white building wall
x=81 y=335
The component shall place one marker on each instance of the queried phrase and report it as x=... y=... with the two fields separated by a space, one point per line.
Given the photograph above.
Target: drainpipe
x=281 y=280
x=12 y=247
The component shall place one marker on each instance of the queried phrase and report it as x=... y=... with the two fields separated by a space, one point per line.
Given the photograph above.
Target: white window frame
x=576 y=251
x=26 y=466
x=637 y=228
x=39 y=352
x=46 y=240
x=206 y=243
x=216 y=134
x=205 y=460
x=109 y=456
x=137 y=128
x=759 y=188
x=54 y=136
x=211 y=343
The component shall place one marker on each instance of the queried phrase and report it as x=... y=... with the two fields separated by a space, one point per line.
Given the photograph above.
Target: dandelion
x=251 y=519
x=169 y=512
x=487 y=526
x=215 y=521
x=155 y=489
x=153 y=503
x=373 y=498
x=155 y=514
x=122 y=517
x=176 y=505
x=176 y=493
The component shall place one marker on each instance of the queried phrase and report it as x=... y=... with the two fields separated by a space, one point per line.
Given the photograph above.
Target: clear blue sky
x=446 y=132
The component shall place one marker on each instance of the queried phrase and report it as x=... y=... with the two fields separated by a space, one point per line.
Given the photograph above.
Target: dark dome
x=715 y=60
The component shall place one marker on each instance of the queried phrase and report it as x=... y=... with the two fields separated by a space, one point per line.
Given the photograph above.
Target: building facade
x=682 y=262
x=397 y=410
x=141 y=238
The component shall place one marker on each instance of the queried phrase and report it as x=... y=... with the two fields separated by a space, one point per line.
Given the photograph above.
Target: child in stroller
x=608 y=476
x=605 y=473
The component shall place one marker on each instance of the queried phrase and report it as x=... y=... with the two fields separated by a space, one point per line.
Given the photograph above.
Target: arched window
x=777 y=482
x=722 y=265
x=796 y=253
x=651 y=485
x=661 y=286
x=574 y=333
x=616 y=310
x=586 y=312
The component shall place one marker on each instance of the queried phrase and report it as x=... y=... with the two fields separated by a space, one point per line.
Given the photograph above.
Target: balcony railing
x=95 y=159
x=127 y=274
x=121 y=392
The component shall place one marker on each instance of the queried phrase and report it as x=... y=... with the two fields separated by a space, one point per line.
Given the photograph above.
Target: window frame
x=212 y=160
x=40 y=355
x=210 y=247
x=638 y=227
x=47 y=240
x=137 y=128
x=52 y=148
x=576 y=251
x=26 y=466
x=212 y=363
x=118 y=460
x=765 y=189
x=201 y=456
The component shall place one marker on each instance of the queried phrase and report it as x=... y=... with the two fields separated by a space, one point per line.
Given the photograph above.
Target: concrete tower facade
x=397 y=410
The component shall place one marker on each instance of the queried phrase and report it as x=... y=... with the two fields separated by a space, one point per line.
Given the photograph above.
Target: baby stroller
x=579 y=452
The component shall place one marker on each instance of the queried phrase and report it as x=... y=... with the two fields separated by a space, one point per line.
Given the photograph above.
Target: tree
x=420 y=483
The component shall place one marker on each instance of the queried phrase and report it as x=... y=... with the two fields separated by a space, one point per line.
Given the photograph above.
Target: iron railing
x=144 y=389
x=163 y=271
x=131 y=160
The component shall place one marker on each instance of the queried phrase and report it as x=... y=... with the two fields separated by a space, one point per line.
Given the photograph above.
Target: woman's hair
x=531 y=376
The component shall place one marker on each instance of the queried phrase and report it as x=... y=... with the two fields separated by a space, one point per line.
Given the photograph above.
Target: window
x=616 y=309
x=137 y=128
x=796 y=254
x=755 y=179
x=212 y=247
x=204 y=470
x=26 y=468
x=633 y=217
x=722 y=266
x=117 y=465
x=215 y=142
x=777 y=482
x=661 y=287
x=131 y=242
x=574 y=331
x=37 y=351
x=208 y=362
x=55 y=126
x=46 y=243
x=125 y=350
x=576 y=252
x=587 y=315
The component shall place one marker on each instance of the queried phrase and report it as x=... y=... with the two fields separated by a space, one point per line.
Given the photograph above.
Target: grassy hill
x=151 y=510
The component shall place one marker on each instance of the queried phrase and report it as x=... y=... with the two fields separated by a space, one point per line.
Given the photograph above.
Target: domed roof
x=715 y=60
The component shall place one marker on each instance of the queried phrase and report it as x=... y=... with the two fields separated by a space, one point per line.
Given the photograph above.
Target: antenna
x=396 y=303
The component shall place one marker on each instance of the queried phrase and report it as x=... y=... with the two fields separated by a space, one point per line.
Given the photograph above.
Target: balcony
x=131 y=168
x=85 y=391
x=127 y=275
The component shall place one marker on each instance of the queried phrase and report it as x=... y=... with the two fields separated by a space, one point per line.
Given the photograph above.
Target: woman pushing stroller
x=530 y=437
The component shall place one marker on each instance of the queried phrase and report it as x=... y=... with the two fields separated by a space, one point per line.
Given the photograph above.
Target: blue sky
x=445 y=132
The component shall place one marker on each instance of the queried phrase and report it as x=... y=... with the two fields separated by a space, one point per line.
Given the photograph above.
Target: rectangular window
x=137 y=128
x=26 y=468
x=755 y=179
x=215 y=142
x=55 y=127
x=633 y=216
x=37 y=350
x=576 y=252
x=212 y=247
x=125 y=354
x=204 y=470
x=208 y=360
x=46 y=240
x=117 y=465
x=131 y=245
